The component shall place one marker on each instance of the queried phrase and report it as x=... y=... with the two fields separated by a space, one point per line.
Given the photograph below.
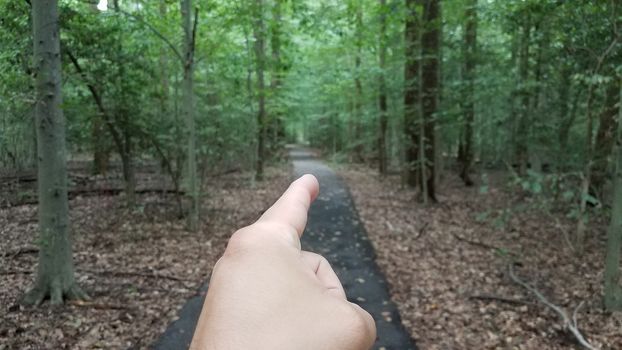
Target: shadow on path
x=335 y=231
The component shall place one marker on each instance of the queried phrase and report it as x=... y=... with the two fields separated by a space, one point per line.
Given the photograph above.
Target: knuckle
x=362 y=326
x=240 y=240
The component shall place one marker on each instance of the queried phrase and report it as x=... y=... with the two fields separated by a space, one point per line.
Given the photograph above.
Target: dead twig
x=422 y=231
x=152 y=274
x=29 y=249
x=569 y=324
x=99 y=306
x=16 y=272
x=490 y=297
x=476 y=243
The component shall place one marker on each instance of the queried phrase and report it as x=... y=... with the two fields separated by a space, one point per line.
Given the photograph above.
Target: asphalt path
x=335 y=231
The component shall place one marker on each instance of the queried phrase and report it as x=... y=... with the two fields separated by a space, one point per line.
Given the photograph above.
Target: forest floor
x=139 y=266
x=447 y=266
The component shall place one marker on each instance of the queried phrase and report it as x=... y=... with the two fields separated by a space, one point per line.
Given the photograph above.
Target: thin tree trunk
x=430 y=39
x=470 y=57
x=605 y=136
x=589 y=146
x=358 y=86
x=564 y=97
x=123 y=120
x=100 y=151
x=382 y=92
x=259 y=33
x=276 y=126
x=188 y=110
x=522 y=133
x=613 y=290
x=55 y=272
x=412 y=107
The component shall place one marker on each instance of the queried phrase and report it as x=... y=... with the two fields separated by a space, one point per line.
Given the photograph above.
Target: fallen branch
x=422 y=231
x=99 y=306
x=476 y=243
x=133 y=273
x=569 y=324
x=490 y=297
x=16 y=272
x=20 y=251
x=87 y=192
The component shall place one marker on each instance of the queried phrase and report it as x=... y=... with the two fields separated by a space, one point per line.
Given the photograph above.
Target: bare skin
x=266 y=293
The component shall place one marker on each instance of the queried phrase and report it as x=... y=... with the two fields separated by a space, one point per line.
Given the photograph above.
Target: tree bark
x=188 y=111
x=260 y=66
x=55 y=272
x=605 y=136
x=522 y=133
x=430 y=39
x=412 y=107
x=382 y=92
x=613 y=290
x=276 y=126
x=468 y=112
x=358 y=86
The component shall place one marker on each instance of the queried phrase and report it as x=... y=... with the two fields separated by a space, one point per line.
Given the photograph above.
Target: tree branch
x=569 y=324
x=98 y=100
x=156 y=32
x=194 y=30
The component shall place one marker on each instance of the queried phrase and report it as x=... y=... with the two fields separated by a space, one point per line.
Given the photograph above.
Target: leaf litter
x=447 y=267
x=138 y=266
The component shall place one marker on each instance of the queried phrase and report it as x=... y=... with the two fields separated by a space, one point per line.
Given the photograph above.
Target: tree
x=613 y=290
x=55 y=273
x=412 y=108
x=430 y=50
x=275 y=125
x=468 y=98
x=357 y=103
x=523 y=128
x=260 y=66
x=382 y=90
x=188 y=109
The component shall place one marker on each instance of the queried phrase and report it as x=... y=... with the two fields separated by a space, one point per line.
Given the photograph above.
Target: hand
x=265 y=293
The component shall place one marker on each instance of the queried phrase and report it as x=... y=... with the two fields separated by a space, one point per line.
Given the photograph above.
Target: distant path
x=335 y=231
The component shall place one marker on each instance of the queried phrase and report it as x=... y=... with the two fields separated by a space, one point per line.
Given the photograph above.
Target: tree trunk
x=613 y=290
x=128 y=177
x=358 y=87
x=412 y=107
x=100 y=150
x=468 y=112
x=605 y=136
x=522 y=133
x=123 y=121
x=382 y=92
x=55 y=272
x=188 y=111
x=430 y=89
x=564 y=98
x=260 y=59
x=276 y=125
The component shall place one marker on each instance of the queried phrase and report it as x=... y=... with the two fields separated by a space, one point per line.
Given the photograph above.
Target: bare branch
x=567 y=323
x=575 y=312
x=156 y=32
x=490 y=297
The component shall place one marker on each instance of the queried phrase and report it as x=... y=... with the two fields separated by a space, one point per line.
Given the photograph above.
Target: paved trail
x=335 y=231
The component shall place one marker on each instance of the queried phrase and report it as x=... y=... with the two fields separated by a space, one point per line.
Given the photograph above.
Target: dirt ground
x=447 y=266
x=139 y=266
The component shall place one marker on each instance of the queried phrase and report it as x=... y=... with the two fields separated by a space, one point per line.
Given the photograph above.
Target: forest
x=479 y=140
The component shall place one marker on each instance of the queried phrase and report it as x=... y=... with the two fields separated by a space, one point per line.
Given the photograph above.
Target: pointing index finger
x=291 y=209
